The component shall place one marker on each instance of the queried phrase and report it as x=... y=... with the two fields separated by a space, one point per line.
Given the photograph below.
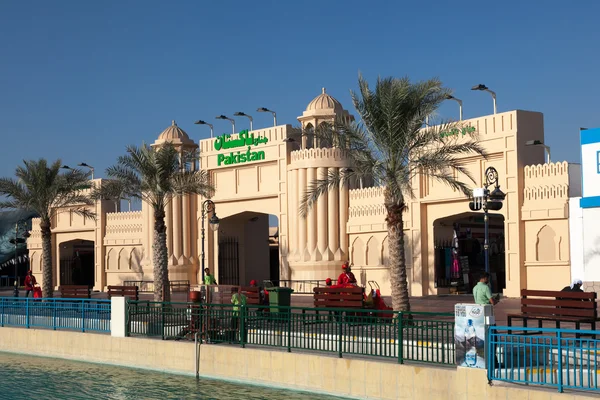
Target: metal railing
x=148 y=286
x=72 y=314
x=414 y=336
x=544 y=356
x=9 y=281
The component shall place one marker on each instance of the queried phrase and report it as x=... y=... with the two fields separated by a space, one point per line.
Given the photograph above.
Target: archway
x=77 y=262
x=248 y=249
x=459 y=251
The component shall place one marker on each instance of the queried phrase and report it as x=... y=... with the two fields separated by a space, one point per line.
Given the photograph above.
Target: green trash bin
x=280 y=297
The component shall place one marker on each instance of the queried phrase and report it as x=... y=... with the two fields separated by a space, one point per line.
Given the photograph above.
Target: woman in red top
x=30 y=282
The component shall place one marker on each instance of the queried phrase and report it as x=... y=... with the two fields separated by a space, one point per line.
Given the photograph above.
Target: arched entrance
x=77 y=262
x=459 y=252
x=245 y=249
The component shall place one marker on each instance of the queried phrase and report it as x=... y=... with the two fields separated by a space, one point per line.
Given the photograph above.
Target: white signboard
x=590 y=162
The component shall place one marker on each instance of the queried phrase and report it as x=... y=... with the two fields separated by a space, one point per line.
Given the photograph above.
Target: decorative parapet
x=124 y=223
x=319 y=157
x=373 y=210
x=318 y=153
x=546 y=182
x=366 y=193
x=546 y=191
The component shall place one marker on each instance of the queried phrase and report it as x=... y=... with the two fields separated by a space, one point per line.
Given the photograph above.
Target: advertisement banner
x=470 y=334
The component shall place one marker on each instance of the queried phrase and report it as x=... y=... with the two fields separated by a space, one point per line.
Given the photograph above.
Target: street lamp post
x=486 y=200
x=241 y=114
x=484 y=88
x=229 y=119
x=208 y=206
x=460 y=104
x=263 y=109
x=16 y=241
x=200 y=122
x=87 y=166
x=541 y=144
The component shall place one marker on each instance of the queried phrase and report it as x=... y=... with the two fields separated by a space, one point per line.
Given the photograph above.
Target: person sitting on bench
x=575 y=286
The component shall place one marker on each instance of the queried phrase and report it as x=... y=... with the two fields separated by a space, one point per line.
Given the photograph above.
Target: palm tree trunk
x=48 y=289
x=160 y=258
x=397 y=256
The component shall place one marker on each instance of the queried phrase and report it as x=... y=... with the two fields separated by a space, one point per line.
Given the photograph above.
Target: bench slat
x=559 y=303
x=565 y=295
x=340 y=304
x=355 y=297
x=567 y=312
x=353 y=290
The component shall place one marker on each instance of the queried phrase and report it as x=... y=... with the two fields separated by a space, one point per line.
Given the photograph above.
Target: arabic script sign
x=456 y=132
x=225 y=142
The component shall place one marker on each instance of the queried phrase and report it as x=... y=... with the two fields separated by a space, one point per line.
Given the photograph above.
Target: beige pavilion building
x=258 y=173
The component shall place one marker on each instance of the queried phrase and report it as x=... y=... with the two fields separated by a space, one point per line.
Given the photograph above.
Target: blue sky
x=79 y=80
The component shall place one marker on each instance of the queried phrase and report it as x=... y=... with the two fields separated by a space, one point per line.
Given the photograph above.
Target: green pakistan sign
x=225 y=142
x=456 y=132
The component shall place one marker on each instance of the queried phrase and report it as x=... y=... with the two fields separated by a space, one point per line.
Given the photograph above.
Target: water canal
x=26 y=377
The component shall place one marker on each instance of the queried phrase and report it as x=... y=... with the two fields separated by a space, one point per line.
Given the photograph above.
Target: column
x=177 y=245
x=302 y=250
x=311 y=218
x=293 y=213
x=333 y=221
x=169 y=225
x=322 y=219
x=187 y=229
x=343 y=222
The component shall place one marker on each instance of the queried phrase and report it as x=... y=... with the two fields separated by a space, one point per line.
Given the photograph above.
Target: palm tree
x=155 y=176
x=390 y=147
x=42 y=189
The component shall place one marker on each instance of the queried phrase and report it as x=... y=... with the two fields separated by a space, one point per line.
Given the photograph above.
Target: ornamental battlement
x=547 y=170
x=123 y=222
x=330 y=154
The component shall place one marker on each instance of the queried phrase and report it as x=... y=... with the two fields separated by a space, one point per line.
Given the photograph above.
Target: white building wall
x=576 y=238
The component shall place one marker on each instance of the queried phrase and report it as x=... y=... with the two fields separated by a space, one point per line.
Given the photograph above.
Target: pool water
x=35 y=378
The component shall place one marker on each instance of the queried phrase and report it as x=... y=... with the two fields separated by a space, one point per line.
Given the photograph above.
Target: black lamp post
x=208 y=206
x=486 y=200
x=16 y=241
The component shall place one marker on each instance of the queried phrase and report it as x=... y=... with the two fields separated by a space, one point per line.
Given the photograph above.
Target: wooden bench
x=545 y=305
x=75 y=292
x=131 y=292
x=339 y=297
x=252 y=294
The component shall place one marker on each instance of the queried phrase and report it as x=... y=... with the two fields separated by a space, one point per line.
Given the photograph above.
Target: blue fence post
x=2 y=315
x=27 y=312
x=560 y=356
x=82 y=315
x=488 y=343
x=54 y=316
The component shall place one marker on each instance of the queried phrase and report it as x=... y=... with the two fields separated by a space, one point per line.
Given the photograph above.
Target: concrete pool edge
x=272 y=368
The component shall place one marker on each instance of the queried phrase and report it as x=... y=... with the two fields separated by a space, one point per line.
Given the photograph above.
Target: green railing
x=409 y=336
